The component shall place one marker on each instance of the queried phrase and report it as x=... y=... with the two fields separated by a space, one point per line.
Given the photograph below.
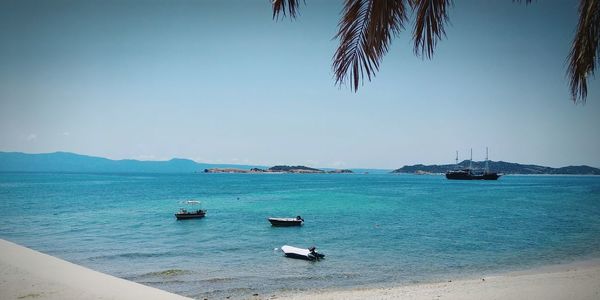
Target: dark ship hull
x=184 y=215
x=285 y=222
x=467 y=175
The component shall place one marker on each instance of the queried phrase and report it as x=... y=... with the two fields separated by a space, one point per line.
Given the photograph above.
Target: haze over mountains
x=77 y=163
x=71 y=162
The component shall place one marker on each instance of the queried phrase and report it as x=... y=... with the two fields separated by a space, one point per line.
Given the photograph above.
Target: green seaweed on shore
x=33 y=295
x=169 y=273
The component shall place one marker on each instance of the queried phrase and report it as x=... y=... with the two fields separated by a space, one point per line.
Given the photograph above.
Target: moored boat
x=184 y=214
x=470 y=174
x=284 y=222
x=301 y=253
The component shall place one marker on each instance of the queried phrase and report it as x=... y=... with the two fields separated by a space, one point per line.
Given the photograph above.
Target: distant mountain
x=501 y=167
x=71 y=162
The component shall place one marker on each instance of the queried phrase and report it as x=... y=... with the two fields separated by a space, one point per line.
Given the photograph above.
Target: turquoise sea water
x=374 y=229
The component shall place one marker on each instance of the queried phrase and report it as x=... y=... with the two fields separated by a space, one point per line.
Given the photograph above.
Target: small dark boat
x=284 y=222
x=300 y=253
x=183 y=214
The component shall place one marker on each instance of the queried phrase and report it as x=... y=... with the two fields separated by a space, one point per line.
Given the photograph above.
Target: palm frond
x=281 y=6
x=432 y=16
x=365 y=32
x=584 y=51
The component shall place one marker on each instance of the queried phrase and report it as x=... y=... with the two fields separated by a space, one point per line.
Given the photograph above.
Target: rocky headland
x=279 y=169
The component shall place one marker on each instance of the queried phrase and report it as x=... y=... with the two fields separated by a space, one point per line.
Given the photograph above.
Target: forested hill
x=501 y=167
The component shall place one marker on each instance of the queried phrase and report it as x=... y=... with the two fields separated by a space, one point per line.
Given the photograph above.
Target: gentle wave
x=168 y=273
x=318 y=277
x=226 y=293
x=217 y=279
x=132 y=255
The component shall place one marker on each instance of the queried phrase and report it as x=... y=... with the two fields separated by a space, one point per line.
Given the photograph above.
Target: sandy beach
x=28 y=274
x=573 y=281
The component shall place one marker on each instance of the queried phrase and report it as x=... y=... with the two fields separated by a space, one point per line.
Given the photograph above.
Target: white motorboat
x=301 y=253
x=284 y=222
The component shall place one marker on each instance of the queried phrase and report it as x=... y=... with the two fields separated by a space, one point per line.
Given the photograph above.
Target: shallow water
x=374 y=229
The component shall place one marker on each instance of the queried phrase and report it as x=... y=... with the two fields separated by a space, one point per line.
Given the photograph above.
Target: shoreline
x=29 y=274
x=578 y=280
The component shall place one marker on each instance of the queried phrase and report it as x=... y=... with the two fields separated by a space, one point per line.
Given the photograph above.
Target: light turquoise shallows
x=374 y=229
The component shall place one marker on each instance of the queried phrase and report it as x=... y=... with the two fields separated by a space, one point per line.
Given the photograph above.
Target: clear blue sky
x=221 y=82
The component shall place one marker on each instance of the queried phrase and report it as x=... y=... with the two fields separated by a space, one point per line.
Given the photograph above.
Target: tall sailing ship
x=470 y=174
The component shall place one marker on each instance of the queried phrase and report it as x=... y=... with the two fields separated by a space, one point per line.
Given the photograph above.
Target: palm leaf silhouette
x=281 y=6
x=584 y=51
x=431 y=17
x=367 y=28
x=365 y=32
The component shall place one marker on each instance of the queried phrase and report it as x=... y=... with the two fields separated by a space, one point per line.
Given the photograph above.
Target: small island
x=501 y=167
x=279 y=169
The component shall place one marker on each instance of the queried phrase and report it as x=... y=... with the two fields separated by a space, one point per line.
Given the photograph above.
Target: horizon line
x=280 y=164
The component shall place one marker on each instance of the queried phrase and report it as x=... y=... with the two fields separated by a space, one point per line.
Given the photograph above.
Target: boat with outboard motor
x=195 y=213
x=300 y=253
x=284 y=222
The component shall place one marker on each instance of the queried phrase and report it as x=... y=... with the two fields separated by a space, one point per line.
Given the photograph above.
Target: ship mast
x=456 y=160
x=487 y=169
x=471 y=160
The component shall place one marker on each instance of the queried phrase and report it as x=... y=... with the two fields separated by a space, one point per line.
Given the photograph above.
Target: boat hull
x=280 y=223
x=300 y=253
x=467 y=176
x=298 y=256
x=186 y=216
x=285 y=222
